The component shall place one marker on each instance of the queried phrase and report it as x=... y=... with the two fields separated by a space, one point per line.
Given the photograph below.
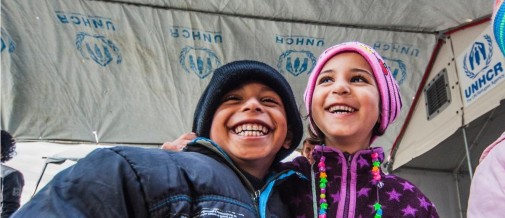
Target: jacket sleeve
x=12 y=188
x=102 y=184
x=487 y=190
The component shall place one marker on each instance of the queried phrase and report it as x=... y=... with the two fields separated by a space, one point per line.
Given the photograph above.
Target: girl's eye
x=359 y=79
x=325 y=79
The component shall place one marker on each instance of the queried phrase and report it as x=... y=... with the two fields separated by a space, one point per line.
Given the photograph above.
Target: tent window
x=437 y=94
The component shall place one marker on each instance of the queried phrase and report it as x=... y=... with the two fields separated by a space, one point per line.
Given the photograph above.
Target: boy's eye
x=270 y=100
x=231 y=98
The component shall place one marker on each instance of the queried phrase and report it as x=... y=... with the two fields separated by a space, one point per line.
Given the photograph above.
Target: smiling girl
x=351 y=98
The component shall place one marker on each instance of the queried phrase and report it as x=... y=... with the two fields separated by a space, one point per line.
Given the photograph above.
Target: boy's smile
x=251 y=129
x=345 y=104
x=250 y=125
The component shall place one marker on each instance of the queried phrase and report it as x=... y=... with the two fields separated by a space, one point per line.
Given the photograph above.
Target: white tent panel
x=426 y=134
x=491 y=78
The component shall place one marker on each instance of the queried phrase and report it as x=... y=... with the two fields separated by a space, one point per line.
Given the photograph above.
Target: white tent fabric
x=133 y=72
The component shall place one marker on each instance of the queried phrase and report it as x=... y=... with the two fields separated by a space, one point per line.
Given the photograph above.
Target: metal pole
x=40 y=178
x=458 y=194
x=470 y=170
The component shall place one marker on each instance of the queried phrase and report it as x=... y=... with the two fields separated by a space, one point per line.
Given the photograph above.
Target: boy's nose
x=252 y=104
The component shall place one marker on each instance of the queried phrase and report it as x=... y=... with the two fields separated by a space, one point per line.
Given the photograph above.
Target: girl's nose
x=252 y=104
x=341 y=88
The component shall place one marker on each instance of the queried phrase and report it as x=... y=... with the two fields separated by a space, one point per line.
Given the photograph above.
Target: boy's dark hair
x=8 y=146
x=235 y=74
x=310 y=140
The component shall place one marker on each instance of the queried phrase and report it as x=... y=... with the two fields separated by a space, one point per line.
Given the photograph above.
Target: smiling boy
x=247 y=120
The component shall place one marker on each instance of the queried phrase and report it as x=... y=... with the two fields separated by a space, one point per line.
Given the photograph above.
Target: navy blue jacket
x=12 y=186
x=140 y=182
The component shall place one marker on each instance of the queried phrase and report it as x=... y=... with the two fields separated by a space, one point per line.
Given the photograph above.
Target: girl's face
x=345 y=103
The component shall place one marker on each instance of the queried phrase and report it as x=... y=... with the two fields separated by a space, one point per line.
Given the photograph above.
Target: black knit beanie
x=235 y=74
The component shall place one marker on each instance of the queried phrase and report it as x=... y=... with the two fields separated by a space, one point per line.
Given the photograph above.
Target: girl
x=351 y=98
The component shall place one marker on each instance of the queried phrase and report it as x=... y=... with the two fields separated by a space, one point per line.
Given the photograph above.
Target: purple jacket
x=350 y=192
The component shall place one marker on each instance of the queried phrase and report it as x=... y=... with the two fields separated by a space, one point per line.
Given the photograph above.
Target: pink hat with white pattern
x=389 y=91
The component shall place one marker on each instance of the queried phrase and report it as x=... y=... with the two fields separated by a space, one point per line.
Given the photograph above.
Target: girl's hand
x=179 y=143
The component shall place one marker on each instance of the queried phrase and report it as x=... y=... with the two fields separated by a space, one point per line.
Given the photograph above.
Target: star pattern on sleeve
x=409 y=211
x=362 y=162
x=336 y=197
x=393 y=195
x=407 y=186
x=364 y=192
x=424 y=203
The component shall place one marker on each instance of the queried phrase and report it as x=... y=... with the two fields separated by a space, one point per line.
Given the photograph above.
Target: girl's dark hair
x=315 y=138
x=8 y=146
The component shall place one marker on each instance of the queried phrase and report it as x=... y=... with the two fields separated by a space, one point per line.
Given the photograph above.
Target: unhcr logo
x=398 y=68
x=296 y=62
x=7 y=42
x=484 y=73
x=479 y=57
x=201 y=61
x=98 y=48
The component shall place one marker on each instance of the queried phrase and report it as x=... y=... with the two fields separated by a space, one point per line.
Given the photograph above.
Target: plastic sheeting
x=132 y=71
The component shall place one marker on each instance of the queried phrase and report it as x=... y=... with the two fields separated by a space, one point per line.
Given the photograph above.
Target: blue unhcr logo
x=7 y=42
x=398 y=68
x=98 y=48
x=201 y=61
x=296 y=62
x=479 y=57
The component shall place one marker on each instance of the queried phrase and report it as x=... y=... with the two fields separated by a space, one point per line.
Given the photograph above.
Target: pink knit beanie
x=389 y=91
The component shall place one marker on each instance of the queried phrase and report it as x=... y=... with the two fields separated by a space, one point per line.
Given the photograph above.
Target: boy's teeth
x=341 y=109
x=251 y=129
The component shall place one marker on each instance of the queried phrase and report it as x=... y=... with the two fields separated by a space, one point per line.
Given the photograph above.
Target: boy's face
x=345 y=103
x=250 y=124
x=307 y=151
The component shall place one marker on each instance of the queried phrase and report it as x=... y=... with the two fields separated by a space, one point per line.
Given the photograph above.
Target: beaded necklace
x=323 y=180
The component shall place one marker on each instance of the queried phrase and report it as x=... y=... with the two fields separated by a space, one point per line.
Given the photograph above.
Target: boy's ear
x=287 y=142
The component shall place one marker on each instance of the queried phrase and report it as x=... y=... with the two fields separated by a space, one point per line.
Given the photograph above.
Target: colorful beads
x=323 y=204
x=377 y=181
x=375 y=169
x=378 y=208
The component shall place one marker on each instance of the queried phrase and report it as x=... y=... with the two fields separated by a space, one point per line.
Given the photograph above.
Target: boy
x=246 y=120
x=12 y=180
x=308 y=148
